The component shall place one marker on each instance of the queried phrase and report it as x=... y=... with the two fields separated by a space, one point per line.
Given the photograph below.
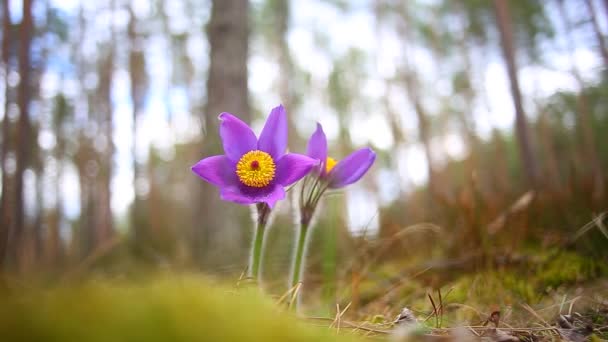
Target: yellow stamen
x=256 y=169
x=329 y=164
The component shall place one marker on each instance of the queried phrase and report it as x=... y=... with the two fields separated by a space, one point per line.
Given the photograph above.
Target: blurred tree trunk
x=440 y=54
x=137 y=68
x=584 y=115
x=393 y=116
x=87 y=170
x=24 y=134
x=6 y=219
x=551 y=170
x=286 y=90
x=84 y=158
x=410 y=82
x=529 y=161
x=104 y=225
x=598 y=32
x=468 y=91
x=606 y=8
x=423 y=129
x=228 y=33
x=94 y=157
x=37 y=224
x=54 y=249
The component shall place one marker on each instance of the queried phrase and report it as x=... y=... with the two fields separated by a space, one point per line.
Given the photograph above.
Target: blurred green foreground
x=180 y=308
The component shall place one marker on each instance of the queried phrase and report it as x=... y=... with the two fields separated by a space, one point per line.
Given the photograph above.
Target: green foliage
x=180 y=308
x=530 y=282
x=565 y=108
x=342 y=5
x=564 y=268
x=530 y=23
x=345 y=80
x=493 y=287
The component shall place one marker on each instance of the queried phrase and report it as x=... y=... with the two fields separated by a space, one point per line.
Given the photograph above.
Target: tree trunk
x=286 y=88
x=86 y=157
x=528 y=159
x=6 y=220
x=425 y=137
x=584 y=115
x=137 y=73
x=551 y=171
x=228 y=33
x=469 y=93
x=104 y=226
x=598 y=32
x=24 y=136
x=606 y=8
x=54 y=244
x=410 y=83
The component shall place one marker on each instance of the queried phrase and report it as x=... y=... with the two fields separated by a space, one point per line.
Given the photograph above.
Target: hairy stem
x=258 y=241
x=256 y=252
x=299 y=257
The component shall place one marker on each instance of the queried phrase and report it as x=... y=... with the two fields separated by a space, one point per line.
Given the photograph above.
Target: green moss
x=495 y=287
x=565 y=268
x=377 y=319
x=165 y=309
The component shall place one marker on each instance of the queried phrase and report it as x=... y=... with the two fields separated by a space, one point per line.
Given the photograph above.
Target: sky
x=355 y=29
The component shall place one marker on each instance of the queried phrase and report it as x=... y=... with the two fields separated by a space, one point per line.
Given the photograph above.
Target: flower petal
x=233 y=194
x=237 y=137
x=216 y=170
x=276 y=195
x=292 y=166
x=317 y=147
x=248 y=195
x=273 y=138
x=351 y=168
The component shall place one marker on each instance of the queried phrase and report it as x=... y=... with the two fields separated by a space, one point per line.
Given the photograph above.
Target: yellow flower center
x=256 y=169
x=329 y=164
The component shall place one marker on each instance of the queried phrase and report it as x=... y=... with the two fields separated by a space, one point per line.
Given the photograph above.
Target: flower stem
x=299 y=256
x=258 y=242
x=256 y=256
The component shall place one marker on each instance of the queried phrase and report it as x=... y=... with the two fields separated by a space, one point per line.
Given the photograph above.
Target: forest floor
x=536 y=294
x=583 y=317
x=186 y=307
x=493 y=306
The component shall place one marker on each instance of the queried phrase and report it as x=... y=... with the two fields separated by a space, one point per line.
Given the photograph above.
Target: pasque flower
x=328 y=174
x=342 y=173
x=254 y=170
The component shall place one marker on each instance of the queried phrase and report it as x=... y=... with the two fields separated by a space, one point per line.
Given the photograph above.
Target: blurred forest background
x=489 y=119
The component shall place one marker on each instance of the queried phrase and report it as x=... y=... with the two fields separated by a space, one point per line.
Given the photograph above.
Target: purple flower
x=329 y=174
x=254 y=170
x=342 y=173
